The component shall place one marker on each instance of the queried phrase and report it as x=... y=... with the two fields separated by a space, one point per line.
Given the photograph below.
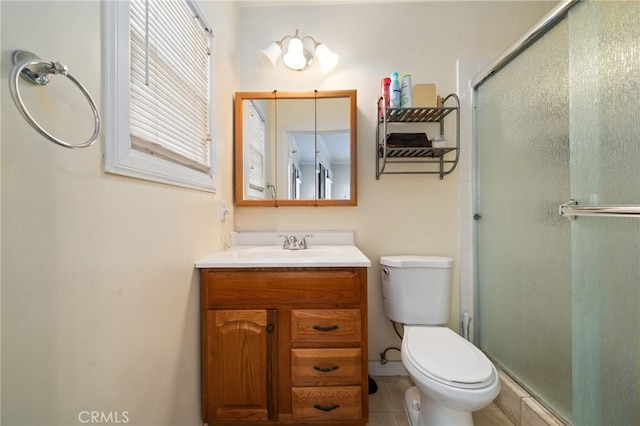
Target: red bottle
x=386 y=82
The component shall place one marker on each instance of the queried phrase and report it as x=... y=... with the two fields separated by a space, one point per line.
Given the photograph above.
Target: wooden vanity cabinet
x=284 y=346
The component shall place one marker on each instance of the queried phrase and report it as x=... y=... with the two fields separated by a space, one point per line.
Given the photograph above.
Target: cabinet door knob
x=326 y=369
x=270 y=329
x=325 y=328
x=327 y=407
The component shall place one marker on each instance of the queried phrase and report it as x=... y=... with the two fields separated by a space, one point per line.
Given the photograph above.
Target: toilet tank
x=416 y=290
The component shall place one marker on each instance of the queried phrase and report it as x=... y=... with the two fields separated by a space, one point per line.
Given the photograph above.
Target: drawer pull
x=324 y=328
x=326 y=369
x=328 y=407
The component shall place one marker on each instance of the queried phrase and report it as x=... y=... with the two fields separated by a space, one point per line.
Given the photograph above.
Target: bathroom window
x=158 y=92
x=254 y=136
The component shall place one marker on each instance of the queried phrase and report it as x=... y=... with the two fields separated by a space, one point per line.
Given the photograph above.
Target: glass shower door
x=523 y=245
x=557 y=298
x=604 y=117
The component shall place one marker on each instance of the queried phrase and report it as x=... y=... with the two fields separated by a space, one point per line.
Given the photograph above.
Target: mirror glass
x=295 y=148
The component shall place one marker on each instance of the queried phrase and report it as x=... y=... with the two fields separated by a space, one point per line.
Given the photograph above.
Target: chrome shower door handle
x=571 y=210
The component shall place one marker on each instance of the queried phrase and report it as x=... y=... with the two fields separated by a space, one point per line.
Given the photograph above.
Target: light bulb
x=327 y=58
x=270 y=55
x=294 y=58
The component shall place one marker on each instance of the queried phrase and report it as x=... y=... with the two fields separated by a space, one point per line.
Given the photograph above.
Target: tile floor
x=386 y=407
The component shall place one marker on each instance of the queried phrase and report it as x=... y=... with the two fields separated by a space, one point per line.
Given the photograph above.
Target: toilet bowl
x=452 y=377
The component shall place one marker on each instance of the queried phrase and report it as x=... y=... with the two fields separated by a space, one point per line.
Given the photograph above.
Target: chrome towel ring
x=37 y=71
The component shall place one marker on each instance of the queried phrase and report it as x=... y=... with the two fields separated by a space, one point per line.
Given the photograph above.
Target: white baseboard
x=391 y=368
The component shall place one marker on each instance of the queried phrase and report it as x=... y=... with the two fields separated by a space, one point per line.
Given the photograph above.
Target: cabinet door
x=240 y=361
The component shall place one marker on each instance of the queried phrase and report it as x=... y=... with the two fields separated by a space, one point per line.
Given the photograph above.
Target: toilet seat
x=446 y=357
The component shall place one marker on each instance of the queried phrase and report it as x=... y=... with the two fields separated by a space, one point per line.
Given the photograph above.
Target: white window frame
x=254 y=144
x=120 y=157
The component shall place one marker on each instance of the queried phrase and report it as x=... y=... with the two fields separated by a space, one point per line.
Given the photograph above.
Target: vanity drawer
x=303 y=286
x=326 y=326
x=323 y=367
x=327 y=403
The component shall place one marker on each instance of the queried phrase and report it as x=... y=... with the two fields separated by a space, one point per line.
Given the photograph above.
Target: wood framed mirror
x=295 y=148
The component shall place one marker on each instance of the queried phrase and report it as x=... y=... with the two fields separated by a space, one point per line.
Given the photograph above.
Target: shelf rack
x=434 y=158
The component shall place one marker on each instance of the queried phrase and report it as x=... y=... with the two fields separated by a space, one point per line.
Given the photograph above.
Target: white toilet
x=452 y=376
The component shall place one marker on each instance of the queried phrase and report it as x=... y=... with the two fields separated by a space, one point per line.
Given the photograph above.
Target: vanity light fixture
x=297 y=56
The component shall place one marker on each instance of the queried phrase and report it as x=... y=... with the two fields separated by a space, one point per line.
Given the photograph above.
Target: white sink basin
x=277 y=252
x=276 y=256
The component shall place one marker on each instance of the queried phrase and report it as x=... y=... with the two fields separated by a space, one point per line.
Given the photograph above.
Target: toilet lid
x=447 y=357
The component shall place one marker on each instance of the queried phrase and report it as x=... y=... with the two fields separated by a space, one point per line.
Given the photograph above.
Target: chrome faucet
x=291 y=242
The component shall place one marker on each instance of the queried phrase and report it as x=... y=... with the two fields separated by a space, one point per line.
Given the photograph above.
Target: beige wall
x=99 y=295
x=398 y=214
x=100 y=300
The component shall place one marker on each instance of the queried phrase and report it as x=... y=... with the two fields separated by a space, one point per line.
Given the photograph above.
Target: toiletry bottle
x=394 y=91
x=386 y=82
x=406 y=92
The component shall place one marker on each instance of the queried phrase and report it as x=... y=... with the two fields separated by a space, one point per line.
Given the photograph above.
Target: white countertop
x=263 y=249
x=270 y=256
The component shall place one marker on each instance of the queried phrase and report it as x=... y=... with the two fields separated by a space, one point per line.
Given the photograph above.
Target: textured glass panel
x=558 y=300
x=523 y=244
x=605 y=159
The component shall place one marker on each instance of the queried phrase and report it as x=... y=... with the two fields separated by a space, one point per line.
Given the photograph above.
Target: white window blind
x=254 y=135
x=170 y=77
